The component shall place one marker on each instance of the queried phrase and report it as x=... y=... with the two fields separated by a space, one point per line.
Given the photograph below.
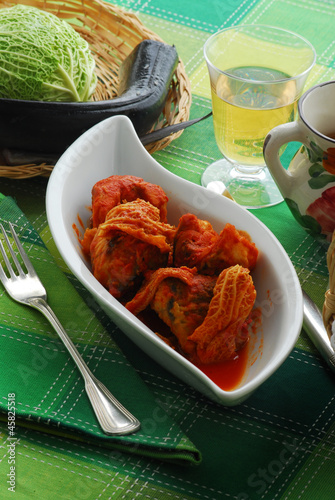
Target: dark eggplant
x=145 y=77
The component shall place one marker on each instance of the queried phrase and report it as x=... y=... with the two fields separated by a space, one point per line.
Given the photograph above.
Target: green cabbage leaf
x=42 y=58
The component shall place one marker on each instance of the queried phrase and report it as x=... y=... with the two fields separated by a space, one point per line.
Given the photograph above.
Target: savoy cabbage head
x=43 y=58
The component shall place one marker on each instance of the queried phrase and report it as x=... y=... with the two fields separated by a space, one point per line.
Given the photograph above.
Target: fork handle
x=111 y=414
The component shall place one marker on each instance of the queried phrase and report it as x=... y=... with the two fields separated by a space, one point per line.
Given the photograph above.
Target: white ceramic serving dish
x=112 y=147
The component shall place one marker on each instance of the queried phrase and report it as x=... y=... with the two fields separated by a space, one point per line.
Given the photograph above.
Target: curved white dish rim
x=112 y=147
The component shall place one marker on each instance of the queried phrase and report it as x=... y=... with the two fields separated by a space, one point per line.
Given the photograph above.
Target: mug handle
x=277 y=137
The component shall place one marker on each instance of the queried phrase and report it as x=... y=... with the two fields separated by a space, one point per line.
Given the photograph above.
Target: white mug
x=308 y=186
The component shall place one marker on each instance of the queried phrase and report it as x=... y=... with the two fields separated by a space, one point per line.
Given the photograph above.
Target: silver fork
x=26 y=288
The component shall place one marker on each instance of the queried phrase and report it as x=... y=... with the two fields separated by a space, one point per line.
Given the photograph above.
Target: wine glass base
x=256 y=190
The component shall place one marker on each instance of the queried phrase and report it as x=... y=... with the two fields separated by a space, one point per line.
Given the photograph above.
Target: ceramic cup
x=308 y=185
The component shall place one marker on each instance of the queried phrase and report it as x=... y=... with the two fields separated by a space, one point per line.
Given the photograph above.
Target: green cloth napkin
x=49 y=391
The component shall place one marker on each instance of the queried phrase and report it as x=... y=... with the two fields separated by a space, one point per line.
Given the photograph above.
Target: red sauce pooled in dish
x=227 y=374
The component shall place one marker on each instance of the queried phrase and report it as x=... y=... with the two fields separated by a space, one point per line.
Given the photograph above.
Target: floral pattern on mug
x=323 y=211
x=315 y=153
x=319 y=177
x=309 y=223
x=328 y=160
x=322 y=168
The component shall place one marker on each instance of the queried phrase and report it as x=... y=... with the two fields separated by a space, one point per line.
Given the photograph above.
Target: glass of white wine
x=257 y=74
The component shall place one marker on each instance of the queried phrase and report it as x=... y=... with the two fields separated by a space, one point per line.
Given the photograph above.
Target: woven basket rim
x=112 y=33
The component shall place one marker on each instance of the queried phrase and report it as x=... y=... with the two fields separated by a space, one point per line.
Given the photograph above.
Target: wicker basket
x=112 y=34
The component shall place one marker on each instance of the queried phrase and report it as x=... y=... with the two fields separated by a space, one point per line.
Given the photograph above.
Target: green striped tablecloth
x=278 y=444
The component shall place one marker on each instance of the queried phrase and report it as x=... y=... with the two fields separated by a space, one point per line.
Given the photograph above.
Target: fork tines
x=21 y=251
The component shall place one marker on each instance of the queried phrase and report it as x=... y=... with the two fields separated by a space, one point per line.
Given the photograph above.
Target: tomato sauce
x=228 y=374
